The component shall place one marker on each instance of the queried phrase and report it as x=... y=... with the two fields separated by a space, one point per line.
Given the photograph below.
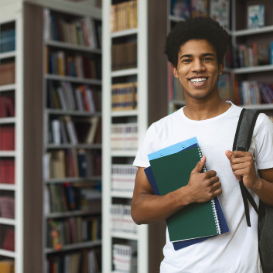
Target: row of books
x=124 y=137
x=7 y=40
x=124 y=56
x=123 y=16
x=253 y=92
x=85 y=261
x=7 y=138
x=7 y=266
x=7 y=171
x=124 y=96
x=7 y=207
x=66 y=197
x=8 y=235
x=66 y=130
x=7 y=73
x=253 y=55
x=123 y=177
x=125 y=258
x=72 y=230
x=71 y=163
x=7 y=106
x=83 y=32
x=73 y=66
x=65 y=97
x=121 y=219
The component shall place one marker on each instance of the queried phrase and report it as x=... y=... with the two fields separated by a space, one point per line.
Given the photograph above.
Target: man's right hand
x=203 y=187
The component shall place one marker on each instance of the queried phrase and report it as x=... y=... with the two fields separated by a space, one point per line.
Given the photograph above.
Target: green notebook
x=195 y=220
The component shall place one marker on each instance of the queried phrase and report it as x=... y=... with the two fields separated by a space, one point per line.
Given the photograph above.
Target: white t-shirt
x=237 y=250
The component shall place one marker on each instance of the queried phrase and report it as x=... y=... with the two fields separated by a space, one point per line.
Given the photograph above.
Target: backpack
x=242 y=142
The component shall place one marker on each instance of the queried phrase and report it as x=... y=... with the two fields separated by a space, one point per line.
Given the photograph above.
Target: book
x=181 y=8
x=255 y=16
x=221 y=217
x=7 y=266
x=196 y=220
x=199 y=8
x=219 y=11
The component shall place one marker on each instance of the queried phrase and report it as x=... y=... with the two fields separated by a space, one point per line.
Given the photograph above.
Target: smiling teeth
x=198 y=80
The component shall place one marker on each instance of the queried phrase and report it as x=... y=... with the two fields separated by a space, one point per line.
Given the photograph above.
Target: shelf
x=253 y=69
x=227 y=70
x=7 y=55
x=175 y=18
x=122 y=194
x=73 y=47
x=7 y=87
x=74 y=246
x=8 y=187
x=268 y=106
x=72 y=179
x=72 y=79
x=7 y=221
x=123 y=235
x=253 y=31
x=7 y=120
x=72 y=146
x=7 y=253
x=178 y=102
x=71 y=213
x=124 y=113
x=124 y=153
x=124 y=32
x=125 y=72
x=71 y=113
x=7 y=153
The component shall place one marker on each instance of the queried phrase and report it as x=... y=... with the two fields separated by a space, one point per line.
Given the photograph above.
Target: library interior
x=78 y=90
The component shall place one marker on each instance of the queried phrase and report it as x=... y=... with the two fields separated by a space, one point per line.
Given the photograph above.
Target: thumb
x=228 y=154
x=199 y=166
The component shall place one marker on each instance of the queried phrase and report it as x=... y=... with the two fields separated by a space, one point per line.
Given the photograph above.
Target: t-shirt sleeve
x=264 y=143
x=141 y=159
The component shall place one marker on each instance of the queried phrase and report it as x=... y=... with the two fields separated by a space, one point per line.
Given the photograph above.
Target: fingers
x=215 y=186
x=210 y=173
x=199 y=166
x=217 y=192
x=228 y=154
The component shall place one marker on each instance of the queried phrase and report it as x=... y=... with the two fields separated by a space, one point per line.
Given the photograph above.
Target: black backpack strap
x=242 y=142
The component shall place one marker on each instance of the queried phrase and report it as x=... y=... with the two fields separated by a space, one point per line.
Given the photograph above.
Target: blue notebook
x=179 y=147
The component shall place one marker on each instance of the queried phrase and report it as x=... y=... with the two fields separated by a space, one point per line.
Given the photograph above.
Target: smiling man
x=196 y=50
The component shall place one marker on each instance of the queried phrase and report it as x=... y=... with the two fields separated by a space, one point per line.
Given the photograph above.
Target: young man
x=196 y=50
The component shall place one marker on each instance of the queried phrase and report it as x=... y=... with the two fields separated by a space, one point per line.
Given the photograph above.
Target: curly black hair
x=196 y=29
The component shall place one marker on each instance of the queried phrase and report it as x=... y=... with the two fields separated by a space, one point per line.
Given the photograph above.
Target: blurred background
x=80 y=82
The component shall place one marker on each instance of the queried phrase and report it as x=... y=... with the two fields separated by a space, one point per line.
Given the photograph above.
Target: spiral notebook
x=196 y=220
x=220 y=213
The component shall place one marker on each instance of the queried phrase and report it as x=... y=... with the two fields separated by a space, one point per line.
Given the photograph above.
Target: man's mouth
x=198 y=81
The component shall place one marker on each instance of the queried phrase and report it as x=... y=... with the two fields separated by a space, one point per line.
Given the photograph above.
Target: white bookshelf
x=142 y=120
x=10 y=13
x=80 y=12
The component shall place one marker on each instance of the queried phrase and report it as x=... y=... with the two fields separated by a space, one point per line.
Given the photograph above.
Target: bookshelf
x=151 y=88
x=12 y=90
x=240 y=34
x=76 y=115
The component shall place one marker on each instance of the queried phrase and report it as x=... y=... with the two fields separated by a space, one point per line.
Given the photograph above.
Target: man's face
x=198 y=69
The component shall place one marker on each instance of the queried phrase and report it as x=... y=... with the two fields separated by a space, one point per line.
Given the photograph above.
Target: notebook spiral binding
x=218 y=228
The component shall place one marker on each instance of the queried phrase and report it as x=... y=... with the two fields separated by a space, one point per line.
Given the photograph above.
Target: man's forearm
x=264 y=190
x=148 y=208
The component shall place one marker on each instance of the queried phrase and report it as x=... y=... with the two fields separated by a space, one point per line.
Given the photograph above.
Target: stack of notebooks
x=170 y=170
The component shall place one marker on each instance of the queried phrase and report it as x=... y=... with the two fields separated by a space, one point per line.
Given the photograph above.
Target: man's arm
x=147 y=208
x=242 y=164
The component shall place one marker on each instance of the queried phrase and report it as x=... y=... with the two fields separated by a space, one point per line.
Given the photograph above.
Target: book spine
x=217 y=224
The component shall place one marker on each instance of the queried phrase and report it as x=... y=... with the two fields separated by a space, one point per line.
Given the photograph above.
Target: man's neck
x=201 y=109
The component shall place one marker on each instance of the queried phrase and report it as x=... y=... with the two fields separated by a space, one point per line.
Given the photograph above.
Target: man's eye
x=187 y=60
x=208 y=59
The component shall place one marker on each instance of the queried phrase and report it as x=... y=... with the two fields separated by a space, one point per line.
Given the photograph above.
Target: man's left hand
x=242 y=164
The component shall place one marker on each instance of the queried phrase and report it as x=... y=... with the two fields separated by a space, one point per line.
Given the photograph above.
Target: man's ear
x=220 y=68
x=174 y=69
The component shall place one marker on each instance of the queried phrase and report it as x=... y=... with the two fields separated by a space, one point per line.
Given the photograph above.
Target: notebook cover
x=195 y=220
x=221 y=216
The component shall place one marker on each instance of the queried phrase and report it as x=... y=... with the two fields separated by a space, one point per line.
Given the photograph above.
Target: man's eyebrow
x=203 y=55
